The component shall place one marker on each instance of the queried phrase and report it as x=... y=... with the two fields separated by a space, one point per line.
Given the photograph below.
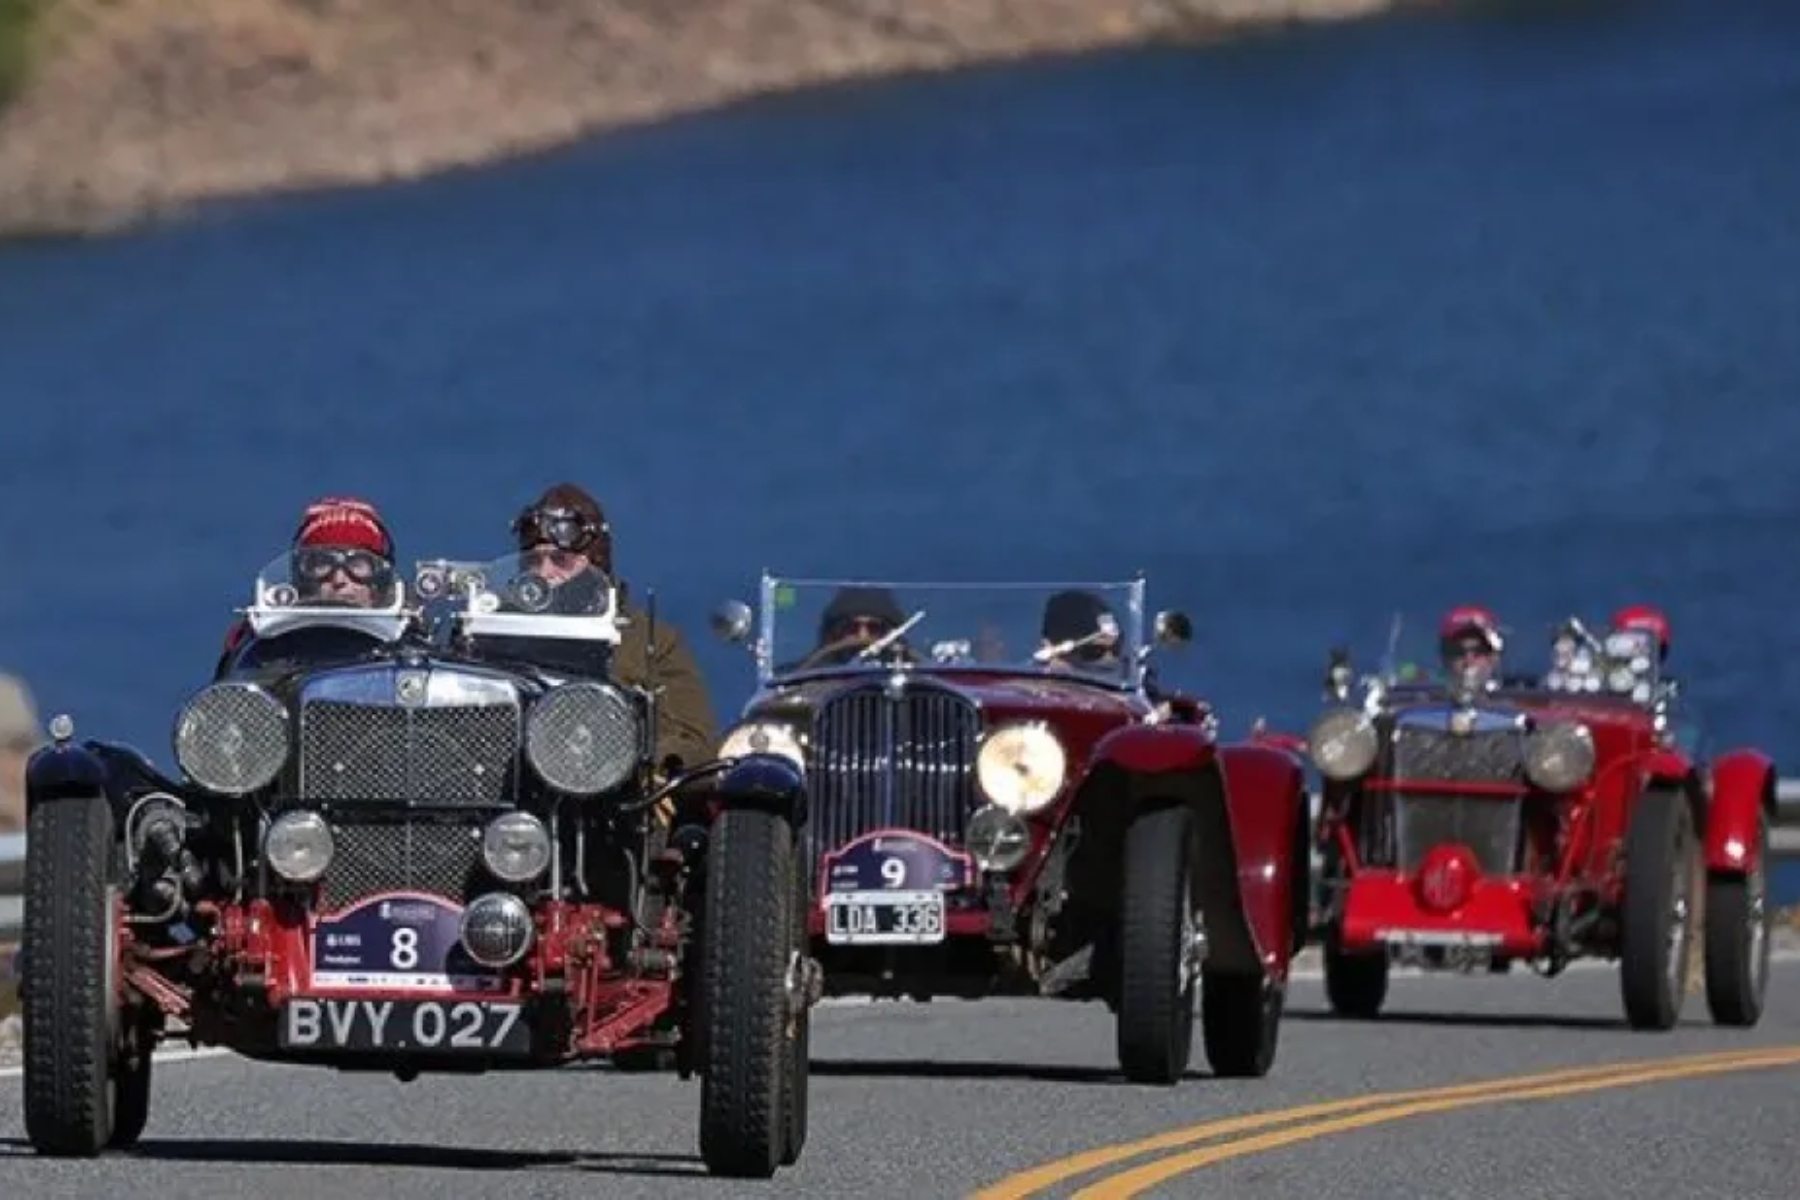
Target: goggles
x=867 y=626
x=563 y=528
x=316 y=564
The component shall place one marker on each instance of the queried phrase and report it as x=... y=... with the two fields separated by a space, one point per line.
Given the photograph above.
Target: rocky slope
x=139 y=106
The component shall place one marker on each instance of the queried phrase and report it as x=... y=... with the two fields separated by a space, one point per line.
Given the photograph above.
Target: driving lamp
x=299 y=846
x=763 y=737
x=1559 y=757
x=1343 y=743
x=1021 y=768
x=515 y=847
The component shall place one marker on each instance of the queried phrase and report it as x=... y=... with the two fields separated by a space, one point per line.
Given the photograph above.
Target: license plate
x=884 y=918
x=417 y=1026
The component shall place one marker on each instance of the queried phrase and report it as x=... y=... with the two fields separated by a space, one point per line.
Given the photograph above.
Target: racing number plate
x=489 y=1027
x=884 y=918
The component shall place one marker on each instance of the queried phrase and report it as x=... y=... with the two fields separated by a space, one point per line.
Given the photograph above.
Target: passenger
x=1648 y=618
x=1082 y=622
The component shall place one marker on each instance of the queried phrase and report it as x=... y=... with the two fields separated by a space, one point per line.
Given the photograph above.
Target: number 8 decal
x=893 y=871
x=404 y=951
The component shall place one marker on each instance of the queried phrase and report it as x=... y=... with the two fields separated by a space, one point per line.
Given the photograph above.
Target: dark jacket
x=685 y=725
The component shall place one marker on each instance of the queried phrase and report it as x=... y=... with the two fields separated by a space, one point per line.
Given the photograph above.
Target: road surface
x=947 y=1099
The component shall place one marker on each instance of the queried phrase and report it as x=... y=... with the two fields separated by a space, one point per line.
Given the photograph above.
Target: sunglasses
x=863 y=625
x=563 y=528
x=316 y=564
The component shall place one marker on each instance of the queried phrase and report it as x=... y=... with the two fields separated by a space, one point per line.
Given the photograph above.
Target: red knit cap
x=347 y=522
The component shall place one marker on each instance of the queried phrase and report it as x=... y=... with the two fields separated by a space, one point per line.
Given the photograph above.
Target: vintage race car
x=1002 y=807
x=415 y=837
x=1539 y=820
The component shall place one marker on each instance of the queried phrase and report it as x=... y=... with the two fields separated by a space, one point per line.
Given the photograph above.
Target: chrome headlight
x=583 y=738
x=1560 y=757
x=1343 y=743
x=763 y=737
x=515 y=847
x=999 y=840
x=1021 y=768
x=299 y=846
x=232 y=738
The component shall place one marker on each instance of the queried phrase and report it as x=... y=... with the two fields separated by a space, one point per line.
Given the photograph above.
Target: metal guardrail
x=1784 y=844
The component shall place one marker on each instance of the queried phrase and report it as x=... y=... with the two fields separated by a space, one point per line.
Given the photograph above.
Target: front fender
x=1743 y=796
x=1156 y=749
x=767 y=782
x=65 y=769
x=1270 y=818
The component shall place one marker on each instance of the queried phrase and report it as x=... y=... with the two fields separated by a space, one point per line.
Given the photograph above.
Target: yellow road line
x=1140 y=1179
x=1037 y=1179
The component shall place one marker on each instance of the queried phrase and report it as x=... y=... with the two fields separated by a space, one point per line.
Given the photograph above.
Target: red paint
x=1743 y=784
x=1447 y=877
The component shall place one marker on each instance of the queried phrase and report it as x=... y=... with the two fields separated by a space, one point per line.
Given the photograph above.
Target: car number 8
x=403 y=952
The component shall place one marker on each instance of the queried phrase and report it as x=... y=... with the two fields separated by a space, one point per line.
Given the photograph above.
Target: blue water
x=1497 y=305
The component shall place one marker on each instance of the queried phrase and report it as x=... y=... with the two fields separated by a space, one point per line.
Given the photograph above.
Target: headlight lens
x=1560 y=757
x=763 y=737
x=516 y=847
x=1343 y=743
x=232 y=738
x=299 y=846
x=1021 y=768
x=583 y=738
x=999 y=840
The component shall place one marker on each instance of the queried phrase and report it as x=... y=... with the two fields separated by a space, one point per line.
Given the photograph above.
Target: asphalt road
x=945 y=1099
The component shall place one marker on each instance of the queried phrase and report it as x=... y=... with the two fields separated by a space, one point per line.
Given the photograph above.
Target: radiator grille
x=1487 y=825
x=441 y=857
x=906 y=763
x=463 y=754
x=1493 y=756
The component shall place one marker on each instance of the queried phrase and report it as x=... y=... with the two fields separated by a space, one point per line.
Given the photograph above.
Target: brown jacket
x=685 y=725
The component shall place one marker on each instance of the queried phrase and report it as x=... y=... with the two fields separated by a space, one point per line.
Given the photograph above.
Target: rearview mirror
x=732 y=621
x=1173 y=628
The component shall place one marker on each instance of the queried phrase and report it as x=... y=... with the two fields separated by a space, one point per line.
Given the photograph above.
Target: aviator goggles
x=563 y=528
x=316 y=564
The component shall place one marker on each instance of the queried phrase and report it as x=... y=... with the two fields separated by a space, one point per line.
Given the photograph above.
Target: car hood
x=1017 y=694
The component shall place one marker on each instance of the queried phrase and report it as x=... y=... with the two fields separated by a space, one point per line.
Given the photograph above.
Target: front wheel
x=745 y=962
x=1657 y=921
x=1240 y=1020
x=70 y=987
x=1738 y=928
x=797 y=1069
x=1159 y=945
x=1356 y=985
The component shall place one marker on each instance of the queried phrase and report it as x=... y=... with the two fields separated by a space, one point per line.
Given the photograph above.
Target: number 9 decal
x=893 y=872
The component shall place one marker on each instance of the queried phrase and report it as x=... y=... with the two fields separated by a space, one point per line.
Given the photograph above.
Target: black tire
x=1240 y=1021
x=1658 y=911
x=1356 y=985
x=1155 y=1022
x=69 y=994
x=1738 y=939
x=797 y=1081
x=132 y=1073
x=749 y=902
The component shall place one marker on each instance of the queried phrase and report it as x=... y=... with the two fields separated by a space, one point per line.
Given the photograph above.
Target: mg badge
x=1463 y=720
x=409 y=688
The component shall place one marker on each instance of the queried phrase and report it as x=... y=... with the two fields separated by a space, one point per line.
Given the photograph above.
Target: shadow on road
x=397 y=1155
x=1459 y=1020
x=887 y=1068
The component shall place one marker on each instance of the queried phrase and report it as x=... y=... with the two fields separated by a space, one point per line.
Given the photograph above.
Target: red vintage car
x=1483 y=822
x=1002 y=801
x=409 y=838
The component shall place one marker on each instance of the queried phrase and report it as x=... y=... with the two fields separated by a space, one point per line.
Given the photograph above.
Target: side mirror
x=1173 y=628
x=732 y=621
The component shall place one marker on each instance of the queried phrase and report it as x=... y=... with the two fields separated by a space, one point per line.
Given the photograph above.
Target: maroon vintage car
x=415 y=838
x=1477 y=822
x=1002 y=801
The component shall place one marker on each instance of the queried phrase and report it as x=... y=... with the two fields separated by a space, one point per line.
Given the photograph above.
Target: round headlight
x=1021 y=768
x=998 y=839
x=232 y=738
x=299 y=846
x=515 y=847
x=763 y=737
x=1559 y=757
x=1343 y=743
x=583 y=738
x=496 y=929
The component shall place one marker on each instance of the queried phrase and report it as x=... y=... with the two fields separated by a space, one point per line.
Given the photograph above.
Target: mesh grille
x=1487 y=825
x=439 y=857
x=445 y=755
x=906 y=763
x=1496 y=756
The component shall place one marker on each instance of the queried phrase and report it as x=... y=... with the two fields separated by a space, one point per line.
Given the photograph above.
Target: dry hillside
x=131 y=106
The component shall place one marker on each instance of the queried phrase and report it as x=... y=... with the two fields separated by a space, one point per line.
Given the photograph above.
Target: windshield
x=311 y=577
x=1094 y=630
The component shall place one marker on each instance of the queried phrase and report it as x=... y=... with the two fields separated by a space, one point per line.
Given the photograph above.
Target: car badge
x=1463 y=720
x=896 y=685
x=409 y=688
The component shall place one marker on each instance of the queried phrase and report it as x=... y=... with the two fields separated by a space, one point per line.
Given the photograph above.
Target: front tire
x=796 y=1081
x=1738 y=938
x=1657 y=921
x=1240 y=1018
x=745 y=959
x=1356 y=985
x=69 y=998
x=1158 y=974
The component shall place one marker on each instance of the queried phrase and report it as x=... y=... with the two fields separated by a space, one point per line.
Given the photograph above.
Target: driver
x=1469 y=645
x=1073 y=616
x=856 y=618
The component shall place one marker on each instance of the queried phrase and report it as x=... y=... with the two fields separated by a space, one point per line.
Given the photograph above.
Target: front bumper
x=1383 y=911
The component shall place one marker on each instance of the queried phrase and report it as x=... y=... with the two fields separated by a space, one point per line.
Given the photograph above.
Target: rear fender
x=766 y=782
x=1743 y=795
